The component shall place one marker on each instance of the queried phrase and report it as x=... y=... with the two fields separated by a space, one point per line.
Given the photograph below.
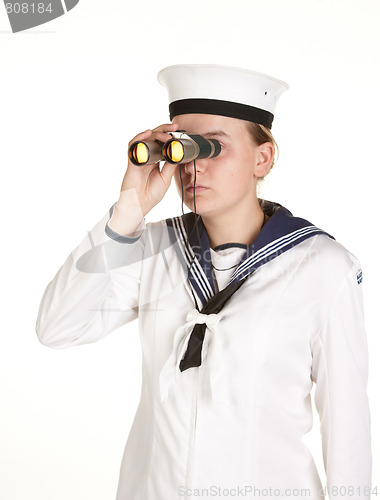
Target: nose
x=193 y=166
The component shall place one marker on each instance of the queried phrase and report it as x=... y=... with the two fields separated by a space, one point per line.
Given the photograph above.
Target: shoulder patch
x=359 y=277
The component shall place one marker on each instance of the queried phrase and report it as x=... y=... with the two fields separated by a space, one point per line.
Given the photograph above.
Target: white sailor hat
x=221 y=90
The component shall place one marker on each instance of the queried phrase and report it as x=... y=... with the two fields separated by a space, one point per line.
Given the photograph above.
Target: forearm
x=93 y=293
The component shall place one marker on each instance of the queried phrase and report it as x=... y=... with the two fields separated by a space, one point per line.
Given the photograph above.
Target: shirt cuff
x=119 y=237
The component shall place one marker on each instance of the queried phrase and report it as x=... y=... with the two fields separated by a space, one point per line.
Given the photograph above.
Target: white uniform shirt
x=233 y=426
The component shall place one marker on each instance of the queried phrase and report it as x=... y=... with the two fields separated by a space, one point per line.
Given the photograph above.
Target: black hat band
x=222 y=108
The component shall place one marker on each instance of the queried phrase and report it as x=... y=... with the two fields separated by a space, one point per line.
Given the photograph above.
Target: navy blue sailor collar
x=280 y=233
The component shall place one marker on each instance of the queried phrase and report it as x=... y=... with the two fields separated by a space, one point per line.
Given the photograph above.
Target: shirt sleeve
x=340 y=371
x=119 y=237
x=95 y=291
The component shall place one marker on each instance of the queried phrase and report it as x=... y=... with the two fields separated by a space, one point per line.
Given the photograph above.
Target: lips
x=191 y=186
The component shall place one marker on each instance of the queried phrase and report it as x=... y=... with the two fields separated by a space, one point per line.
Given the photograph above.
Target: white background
x=73 y=93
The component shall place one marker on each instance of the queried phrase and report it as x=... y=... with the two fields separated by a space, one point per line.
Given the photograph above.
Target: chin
x=190 y=205
x=202 y=204
x=202 y=209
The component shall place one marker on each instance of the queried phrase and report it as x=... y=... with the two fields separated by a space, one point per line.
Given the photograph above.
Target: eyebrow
x=216 y=133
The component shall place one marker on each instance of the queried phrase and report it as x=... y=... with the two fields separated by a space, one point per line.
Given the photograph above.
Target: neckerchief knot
x=196 y=317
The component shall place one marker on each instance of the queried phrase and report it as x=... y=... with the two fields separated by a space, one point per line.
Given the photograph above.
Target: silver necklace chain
x=232 y=267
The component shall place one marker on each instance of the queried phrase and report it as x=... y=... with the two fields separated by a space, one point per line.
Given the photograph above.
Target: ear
x=264 y=158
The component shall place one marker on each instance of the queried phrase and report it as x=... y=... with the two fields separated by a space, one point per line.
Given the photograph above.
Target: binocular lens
x=139 y=153
x=174 y=151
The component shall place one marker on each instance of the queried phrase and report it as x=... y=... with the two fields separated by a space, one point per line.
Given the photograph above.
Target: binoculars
x=181 y=148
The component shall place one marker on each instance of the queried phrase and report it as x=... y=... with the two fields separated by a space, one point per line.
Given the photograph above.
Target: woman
x=241 y=308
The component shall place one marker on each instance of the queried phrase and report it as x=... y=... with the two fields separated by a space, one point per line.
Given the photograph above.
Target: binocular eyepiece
x=181 y=148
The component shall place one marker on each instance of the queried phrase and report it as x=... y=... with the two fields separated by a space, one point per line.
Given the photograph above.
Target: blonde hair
x=261 y=134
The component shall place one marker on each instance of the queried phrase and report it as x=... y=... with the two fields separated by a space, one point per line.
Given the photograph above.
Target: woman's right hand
x=147 y=181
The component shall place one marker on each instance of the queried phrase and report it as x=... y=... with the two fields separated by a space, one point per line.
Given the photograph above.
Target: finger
x=167 y=171
x=170 y=127
x=161 y=136
x=162 y=133
x=154 y=134
x=166 y=126
x=142 y=136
